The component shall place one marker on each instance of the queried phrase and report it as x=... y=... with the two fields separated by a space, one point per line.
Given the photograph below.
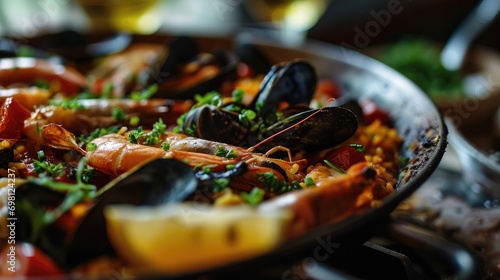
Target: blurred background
x=337 y=23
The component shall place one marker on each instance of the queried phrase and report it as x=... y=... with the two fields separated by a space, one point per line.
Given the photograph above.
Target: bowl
x=474 y=149
x=469 y=96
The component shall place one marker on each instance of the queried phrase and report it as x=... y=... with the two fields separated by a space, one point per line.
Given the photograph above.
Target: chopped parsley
x=43 y=167
x=107 y=91
x=151 y=138
x=222 y=152
x=134 y=136
x=134 y=120
x=145 y=94
x=98 y=133
x=254 y=197
x=238 y=95
x=74 y=194
x=118 y=114
x=91 y=147
x=210 y=98
x=68 y=104
x=360 y=148
x=49 y=169
x=274 y=184
x=220 y=184
x=165 y=146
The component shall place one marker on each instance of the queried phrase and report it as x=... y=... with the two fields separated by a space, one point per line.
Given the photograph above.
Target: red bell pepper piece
x=12 y=116
x=344 y=157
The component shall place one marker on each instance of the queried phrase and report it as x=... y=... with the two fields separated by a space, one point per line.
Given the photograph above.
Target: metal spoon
x=454 y=51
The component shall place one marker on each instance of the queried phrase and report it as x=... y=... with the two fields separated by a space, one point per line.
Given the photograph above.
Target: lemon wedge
x=179 y=238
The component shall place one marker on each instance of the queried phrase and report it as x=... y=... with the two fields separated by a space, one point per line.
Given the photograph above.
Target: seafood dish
x=165 y=158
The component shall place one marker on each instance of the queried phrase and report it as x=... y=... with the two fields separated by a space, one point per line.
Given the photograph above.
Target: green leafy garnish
x=165 y=146
x=107 y=91
x=134 y=136
x=118 y=114
x=222 y=152
x=91 y=147
x=334 y=167
x=238 y=95
x=40 y=218
x=210 y=98
x=254 y=197
x=274 y=184
x=48 y=169
x=145 y=94
x=220 y=184
x=419 y=60
x=134 y=120
x=360 y=148
x=71 y=104
x=309 y=182
x=98 y=133
x=41 y=83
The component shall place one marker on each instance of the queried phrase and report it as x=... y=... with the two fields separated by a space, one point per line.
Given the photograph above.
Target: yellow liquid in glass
x=136 y=16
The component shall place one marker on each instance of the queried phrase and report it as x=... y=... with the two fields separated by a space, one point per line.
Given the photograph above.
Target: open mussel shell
x=157 y=182
x=292 y=81
x=326 y=128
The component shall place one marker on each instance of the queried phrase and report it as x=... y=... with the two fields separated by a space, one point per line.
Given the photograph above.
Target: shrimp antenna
x=251 y=149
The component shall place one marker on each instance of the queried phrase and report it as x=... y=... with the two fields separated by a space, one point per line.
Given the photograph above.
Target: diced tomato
x=344 y=157
x=12 y=116
x=372 y=112
x=25 y=259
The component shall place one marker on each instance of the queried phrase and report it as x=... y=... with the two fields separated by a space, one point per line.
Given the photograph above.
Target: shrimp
x=28 y=97
x=26 y=71
x=332 y=199
x=114 y=155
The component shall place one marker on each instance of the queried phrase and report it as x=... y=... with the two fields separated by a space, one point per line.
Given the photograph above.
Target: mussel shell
x=179 y=50
x=326 y=128
x=157 y=182
x=215 y=124
x=294 y=82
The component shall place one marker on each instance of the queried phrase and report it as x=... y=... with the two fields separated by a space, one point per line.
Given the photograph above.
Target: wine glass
x=292 y=18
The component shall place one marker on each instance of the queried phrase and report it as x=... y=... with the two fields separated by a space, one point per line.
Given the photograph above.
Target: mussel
x=293 y=82
x=160 y=181
x=319 y=129
x=206 y=71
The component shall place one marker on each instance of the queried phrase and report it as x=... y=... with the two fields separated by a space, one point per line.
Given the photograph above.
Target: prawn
x=115 y=155
x=333 y=198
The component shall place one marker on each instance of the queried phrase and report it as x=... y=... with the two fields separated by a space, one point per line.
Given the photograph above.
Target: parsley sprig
x=75 y=193
x=43 y=167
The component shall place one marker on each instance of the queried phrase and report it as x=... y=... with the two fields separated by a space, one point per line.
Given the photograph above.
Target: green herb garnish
x=71 y=104
x=134 y=136
x=254 y=197
x=334 y=167
x=118 y=114
x=145 y=94
x=360 y=148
